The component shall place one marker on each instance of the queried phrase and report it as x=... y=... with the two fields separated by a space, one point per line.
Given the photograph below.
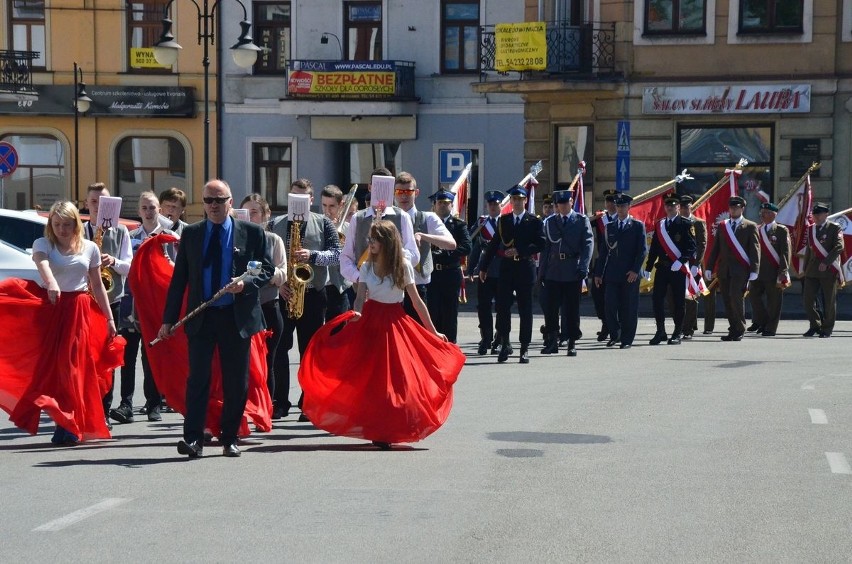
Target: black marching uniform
x=517 y=275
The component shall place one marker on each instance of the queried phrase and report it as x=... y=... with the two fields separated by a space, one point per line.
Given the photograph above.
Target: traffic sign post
x=8 y=164
x=622 y=157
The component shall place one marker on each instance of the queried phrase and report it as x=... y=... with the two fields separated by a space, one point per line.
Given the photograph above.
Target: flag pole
x=661 y=188
x=838 y=214
x=709 y=193
x=814 y=166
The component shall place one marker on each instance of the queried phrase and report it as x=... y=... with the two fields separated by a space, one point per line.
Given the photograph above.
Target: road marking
x=818 y=417
x=809 y=384
x=838 y=463
x=85 y=513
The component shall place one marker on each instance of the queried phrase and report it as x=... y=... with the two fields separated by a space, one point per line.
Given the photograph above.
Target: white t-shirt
x=382 y=289
x=70 y=271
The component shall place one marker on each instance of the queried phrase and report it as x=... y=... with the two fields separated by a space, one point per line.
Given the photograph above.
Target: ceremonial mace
x=254 y=268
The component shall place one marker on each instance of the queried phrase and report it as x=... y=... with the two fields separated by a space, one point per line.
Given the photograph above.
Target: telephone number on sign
x=512 y=61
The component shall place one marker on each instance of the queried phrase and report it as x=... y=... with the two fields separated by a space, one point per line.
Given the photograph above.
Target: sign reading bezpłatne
x=520 y=46
x=342 y=79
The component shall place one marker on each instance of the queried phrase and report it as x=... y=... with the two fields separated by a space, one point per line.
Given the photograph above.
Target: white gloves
x=752 y=277
x=694 y=270
x=676 y=265
x=708 y=275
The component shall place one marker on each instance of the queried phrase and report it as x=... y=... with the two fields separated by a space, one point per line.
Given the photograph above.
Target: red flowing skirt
x=383 y=378
x=150 y=275
x=55 y=358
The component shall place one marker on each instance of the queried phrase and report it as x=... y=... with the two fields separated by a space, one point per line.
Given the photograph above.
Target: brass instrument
x=299 y=275
x=344 y=210
x=106 y=275
x=255 y=267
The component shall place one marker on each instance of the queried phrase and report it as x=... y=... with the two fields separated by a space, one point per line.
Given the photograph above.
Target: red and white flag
x=579 y=190
x=714 y=209
x=461 y=189
x=796 y=214
x=844 y=218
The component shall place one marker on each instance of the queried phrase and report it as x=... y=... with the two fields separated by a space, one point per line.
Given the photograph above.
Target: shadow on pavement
x=548 y=438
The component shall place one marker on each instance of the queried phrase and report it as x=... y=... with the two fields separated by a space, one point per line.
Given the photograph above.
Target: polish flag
x=715 y=208
x=797 y=216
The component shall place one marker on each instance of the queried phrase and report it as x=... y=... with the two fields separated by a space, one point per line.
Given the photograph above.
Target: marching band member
x=486 y=290
x=116 y=256
x=822 y=271
x=519 y=238
x=173 y=204
x=564 y=265
x=735 y=260
x=429 y=231
x=445 y=285
x=621 y=253
x=336 y=289
x=774 y=275
x=672 y=253
x=320 y=247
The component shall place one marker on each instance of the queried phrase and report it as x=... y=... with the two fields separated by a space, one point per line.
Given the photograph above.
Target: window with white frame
x=675 y=17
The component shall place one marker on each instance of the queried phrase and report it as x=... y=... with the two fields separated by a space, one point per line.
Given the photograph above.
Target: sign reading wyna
x=341 y=79
x=727 y=99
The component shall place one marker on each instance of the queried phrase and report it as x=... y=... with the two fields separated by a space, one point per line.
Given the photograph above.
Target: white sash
x=735 y=246
x=769 y=250
x=823 y=254
x=693 y=287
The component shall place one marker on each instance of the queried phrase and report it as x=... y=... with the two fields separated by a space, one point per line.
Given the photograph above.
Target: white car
x=18 y=230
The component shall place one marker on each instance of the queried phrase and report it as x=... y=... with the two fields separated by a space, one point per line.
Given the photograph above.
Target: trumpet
x=254 y=268
x=344 y=210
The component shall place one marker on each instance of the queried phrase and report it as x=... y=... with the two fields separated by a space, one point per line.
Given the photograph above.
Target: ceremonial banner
x=796 y=215
x=520 y=46
x=715 y=210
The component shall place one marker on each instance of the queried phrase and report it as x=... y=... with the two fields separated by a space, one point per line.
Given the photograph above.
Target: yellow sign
x=143 y=58
x=520 y=46
x=342 y=83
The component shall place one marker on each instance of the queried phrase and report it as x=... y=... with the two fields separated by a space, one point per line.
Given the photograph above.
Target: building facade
x=663 y=85
x=346 y=86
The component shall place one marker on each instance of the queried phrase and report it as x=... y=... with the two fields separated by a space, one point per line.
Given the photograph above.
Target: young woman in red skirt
x=386 y=378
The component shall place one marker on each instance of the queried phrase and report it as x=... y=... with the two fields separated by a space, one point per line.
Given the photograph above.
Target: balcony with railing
x=578 y=51
x=16 y=76
x=374 y=81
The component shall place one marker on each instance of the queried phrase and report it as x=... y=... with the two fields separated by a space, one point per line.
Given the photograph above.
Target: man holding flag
x=823 y=272
x=672 y=253
x=690 y=307
x=774 y=274
x=735 y=259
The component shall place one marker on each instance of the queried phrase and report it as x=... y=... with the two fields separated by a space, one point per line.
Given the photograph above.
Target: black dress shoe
x=551 y=347
x=602 y=336
x=303 y=418
x=768 y=333
x=658 y=338
x=612 y=342
x=732 y=337
x=108 y=424
x=382 y=445
x=482 y=349
x=624 y=346
x=810 y=332
x=231 y=451
x=524 y=357
x=572 y=348
x=686 y=336
x=193 y=449
x=753 y=328
x=707 y=332
x=503 y=356
x=824 y=334
x=675 y=340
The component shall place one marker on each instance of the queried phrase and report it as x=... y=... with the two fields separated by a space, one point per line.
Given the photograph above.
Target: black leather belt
x=447 y=266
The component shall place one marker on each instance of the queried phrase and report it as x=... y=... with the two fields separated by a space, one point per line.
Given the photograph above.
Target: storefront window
x=676 y=17
x=707 y=151
x=39 y=180
x=148 y=163
x=272 y=172
x=272 y=33
x=771 y=16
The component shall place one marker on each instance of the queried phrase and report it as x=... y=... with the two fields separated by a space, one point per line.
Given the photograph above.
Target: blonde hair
x=65 y=210
x=389 y=258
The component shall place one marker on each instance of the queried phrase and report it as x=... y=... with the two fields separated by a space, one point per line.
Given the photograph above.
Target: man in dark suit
x=211 y=254
x=442 y=297
x=519 y=237
x=822 y=272
x=672 y=253
x=620 y=256
x=599 y=223
x=774 y=275
x=735 y=260
x=564 y=266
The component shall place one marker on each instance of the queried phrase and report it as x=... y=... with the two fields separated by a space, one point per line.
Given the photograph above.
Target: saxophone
x=106 y=275
x=298 y=275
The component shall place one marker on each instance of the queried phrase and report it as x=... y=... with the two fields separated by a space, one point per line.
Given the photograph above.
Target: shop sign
x=332 y=79
x=520 y=46
x=108 y=101
x=727 y=99
x=143 y=58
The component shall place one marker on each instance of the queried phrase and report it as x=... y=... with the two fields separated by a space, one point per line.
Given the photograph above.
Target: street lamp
x=324 y=41
x=244 y=52
x=81 y=103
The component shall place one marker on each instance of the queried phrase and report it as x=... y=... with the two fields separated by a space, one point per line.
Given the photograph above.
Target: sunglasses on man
x=219 y=199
